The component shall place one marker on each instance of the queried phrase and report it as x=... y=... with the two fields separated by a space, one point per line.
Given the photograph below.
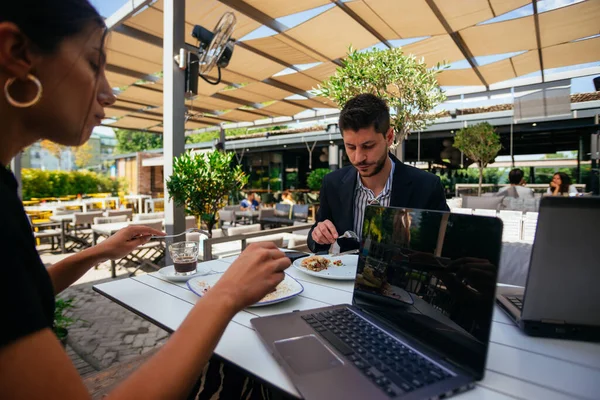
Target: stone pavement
x=104 y=333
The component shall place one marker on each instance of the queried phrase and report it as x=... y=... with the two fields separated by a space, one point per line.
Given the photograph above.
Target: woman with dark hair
x=561 y=185
x=52 y=62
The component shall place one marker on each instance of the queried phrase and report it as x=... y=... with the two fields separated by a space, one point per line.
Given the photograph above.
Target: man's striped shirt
x=364 y=196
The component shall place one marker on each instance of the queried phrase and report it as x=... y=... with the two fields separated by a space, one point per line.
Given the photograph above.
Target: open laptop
x=561 y=297
x=421 y=315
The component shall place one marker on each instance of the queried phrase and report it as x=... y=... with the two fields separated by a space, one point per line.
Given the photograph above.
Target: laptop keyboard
x=393 y=367
x=516 y=301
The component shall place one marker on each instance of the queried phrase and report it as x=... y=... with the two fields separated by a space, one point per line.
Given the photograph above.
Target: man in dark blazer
x=375 y=176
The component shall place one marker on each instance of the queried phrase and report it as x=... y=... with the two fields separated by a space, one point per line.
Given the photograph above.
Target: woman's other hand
x=256 y=273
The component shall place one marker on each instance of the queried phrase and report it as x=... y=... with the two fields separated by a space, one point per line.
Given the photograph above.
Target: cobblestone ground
x=104 y=333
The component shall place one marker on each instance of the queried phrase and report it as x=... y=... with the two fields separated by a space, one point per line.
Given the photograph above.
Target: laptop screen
x=432 y=276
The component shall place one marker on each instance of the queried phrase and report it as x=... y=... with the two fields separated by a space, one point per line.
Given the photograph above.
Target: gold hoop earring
x=19 y=104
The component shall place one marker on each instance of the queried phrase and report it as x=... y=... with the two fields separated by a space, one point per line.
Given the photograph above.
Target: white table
x=104 y=200
x=140 y=200
x=250 y=214
x=518 y=366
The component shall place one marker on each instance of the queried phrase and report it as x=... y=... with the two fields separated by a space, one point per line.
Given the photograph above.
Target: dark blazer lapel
x=401 y=185
x=346 y=193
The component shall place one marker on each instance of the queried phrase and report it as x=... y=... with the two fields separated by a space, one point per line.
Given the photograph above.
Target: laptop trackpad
x=307 y=354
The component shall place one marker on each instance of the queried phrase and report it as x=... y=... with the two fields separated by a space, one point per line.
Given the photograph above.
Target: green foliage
x=480 y=143
x=315 y=178
x=210 y=136
x=40 y=184
x=202 y=182
x=202 y=137
x=134 y=141
x=408 y=86
x=62 y=322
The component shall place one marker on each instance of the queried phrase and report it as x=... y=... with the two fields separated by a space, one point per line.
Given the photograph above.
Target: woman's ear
x=16 y=56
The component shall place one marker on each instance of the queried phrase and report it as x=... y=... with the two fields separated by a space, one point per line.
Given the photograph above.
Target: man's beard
x=378 y=166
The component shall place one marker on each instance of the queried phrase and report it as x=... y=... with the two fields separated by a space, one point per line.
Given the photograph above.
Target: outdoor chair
x=109 y=220
x=513 y=225
x=485 y=212
x=46 y=231
x=148 y=216
x=300 y=212
x=115 y=213
x=529 y=226
x=81 y=231
x=227 y=216
x=282 y=210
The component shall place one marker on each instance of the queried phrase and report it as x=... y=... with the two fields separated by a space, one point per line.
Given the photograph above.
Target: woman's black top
x=26 y=292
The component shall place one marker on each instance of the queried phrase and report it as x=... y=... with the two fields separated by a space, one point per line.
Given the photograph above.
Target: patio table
x=104 y=200
x=250 y=214
x=518 y=366
x=140 y=200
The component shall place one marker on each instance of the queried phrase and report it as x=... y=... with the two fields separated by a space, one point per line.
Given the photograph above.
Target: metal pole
x=419 y=146
x=579 y=158
x=512 y=154
x=15 y=167
x=174 y=107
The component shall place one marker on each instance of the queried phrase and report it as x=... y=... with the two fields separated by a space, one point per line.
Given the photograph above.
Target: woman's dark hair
x=364 y=111
x=565 y=182
x=48 y=22
x=515 y=176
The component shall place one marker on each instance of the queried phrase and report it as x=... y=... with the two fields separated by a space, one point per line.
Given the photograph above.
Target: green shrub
x=315 y=178
x=39 y=184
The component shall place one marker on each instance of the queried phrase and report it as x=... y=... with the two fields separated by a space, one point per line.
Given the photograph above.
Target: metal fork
x=179 y=234
x=334 y=249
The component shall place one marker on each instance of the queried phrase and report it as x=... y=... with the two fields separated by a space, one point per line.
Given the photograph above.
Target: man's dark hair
x=515 y=176
x=365 y=111
x=48 y=22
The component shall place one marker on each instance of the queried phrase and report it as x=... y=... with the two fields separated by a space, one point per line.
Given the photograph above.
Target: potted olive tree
x=480 y=143
x=405 y=82
x=201 y=183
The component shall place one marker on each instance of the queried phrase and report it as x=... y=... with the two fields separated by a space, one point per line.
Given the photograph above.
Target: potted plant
x=480 y=143
x=201 y=183
x=62 y=322
x=406 y=83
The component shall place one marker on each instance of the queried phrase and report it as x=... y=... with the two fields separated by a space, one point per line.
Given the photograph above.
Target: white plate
x=345 y=272
x=285 y=290
x=169 y=273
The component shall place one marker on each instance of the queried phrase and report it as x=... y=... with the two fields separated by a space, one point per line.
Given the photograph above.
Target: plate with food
x=329 y=267
x=287 y=289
